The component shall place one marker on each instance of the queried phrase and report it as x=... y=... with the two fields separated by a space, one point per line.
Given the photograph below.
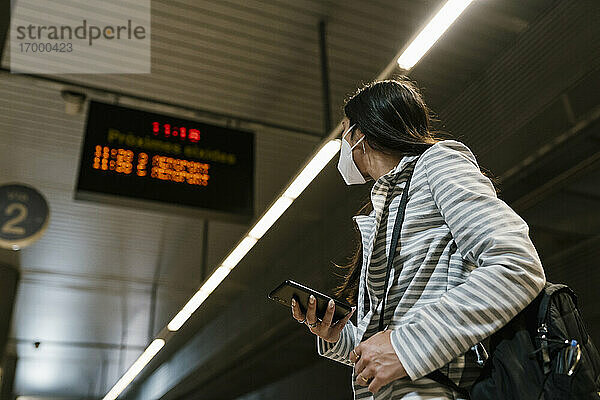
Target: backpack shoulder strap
x=394 y=242
x=549 y=290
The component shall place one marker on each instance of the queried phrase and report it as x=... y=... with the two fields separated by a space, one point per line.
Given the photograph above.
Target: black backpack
x=544 y=353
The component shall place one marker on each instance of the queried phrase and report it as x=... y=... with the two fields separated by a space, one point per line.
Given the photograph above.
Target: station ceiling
x=516 y=81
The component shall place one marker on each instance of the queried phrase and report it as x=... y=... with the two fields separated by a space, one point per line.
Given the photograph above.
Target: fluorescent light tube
x=215 y=279
x=312 y=169
x=135 y=369
x=239 y=252
x=197 y=299
x=267 y=220
x=432 y=32
x=187 y=310
x=304 y=178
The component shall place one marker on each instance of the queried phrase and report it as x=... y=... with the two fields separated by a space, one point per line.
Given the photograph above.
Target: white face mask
x=346 y=165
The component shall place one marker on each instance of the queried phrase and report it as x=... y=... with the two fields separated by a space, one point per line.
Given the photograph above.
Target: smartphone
x=283 y=295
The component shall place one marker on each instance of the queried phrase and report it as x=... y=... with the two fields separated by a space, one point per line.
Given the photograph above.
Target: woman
x=463 y=266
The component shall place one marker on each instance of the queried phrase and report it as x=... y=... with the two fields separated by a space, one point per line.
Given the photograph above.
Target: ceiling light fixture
x=202 y=294
x=313 y=168
x=302 y=180
x=239 y=252
x=135 y=369
x=432 y=32
x=267 y=221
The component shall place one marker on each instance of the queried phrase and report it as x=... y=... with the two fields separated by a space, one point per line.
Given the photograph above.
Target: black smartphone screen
x=284 y=293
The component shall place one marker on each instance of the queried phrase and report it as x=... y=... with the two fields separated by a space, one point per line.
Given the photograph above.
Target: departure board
x=142 y=155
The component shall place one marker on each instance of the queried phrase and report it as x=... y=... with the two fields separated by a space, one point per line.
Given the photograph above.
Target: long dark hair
x=395 y=120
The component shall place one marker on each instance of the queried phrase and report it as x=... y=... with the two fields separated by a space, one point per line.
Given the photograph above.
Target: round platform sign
x=24 y=215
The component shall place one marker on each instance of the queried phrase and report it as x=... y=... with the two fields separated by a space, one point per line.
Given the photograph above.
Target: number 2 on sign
x=10 y=226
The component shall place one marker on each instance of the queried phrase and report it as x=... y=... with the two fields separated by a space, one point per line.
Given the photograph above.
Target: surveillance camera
x=36 y=345
x=73 y=101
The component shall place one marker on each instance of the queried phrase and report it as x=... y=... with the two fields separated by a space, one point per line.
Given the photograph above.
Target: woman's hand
x=324 y=329
x=376 y=362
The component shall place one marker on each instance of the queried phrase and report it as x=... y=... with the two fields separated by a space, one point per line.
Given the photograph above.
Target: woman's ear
x=355 y=134
x=358 y=135
x=367 y=157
